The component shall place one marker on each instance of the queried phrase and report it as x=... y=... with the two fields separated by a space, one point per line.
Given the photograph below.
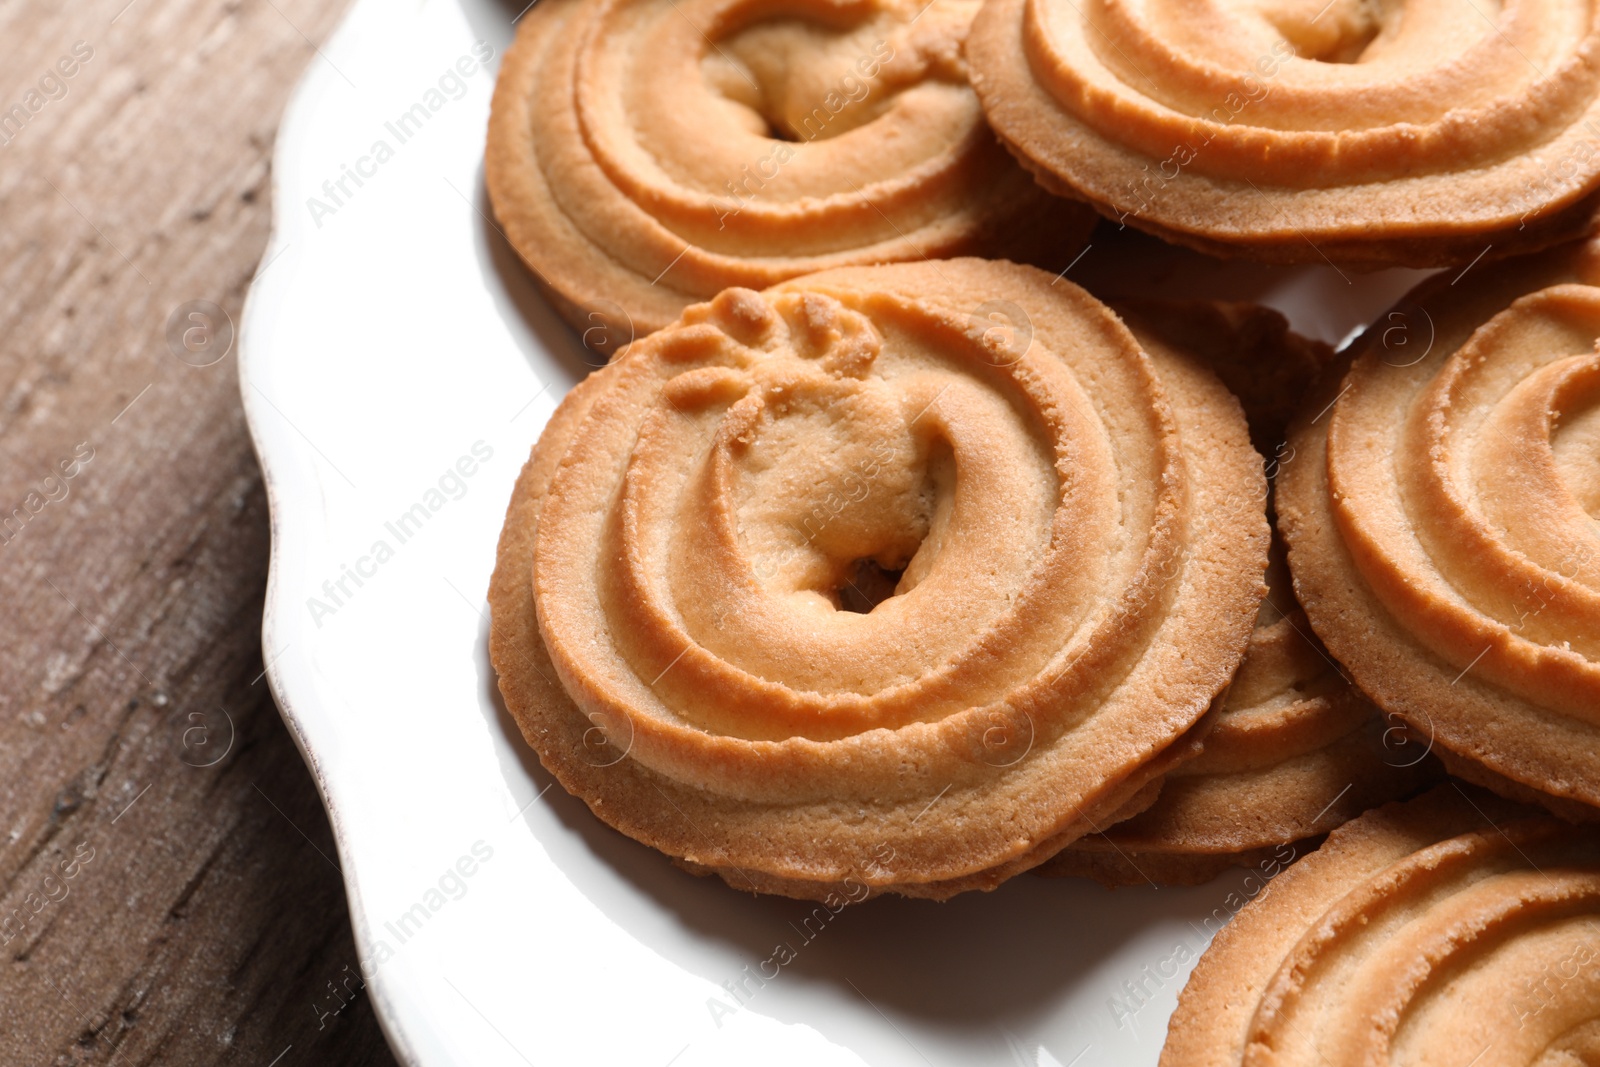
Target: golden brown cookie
x=647 y=154
x=1454 y=929
x=886 y=579
x=1295 y=749
x=1441 y=519
x=1416 y=132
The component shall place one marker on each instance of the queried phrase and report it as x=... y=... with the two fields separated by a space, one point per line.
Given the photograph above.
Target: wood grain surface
x=168 y=888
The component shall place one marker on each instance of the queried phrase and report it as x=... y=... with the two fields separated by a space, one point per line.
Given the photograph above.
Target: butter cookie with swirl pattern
x=887 y=579
x=1443 y=522
x=1455 y=928
x=1368 y=133
x=644 y=155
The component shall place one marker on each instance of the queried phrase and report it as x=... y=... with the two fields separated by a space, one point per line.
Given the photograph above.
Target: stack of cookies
x=885 y=559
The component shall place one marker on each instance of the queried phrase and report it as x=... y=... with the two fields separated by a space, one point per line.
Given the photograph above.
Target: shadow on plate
x=533 y=322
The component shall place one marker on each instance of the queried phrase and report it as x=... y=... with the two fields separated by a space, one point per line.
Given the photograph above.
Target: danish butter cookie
x=893 y=578
x=1451 y=929
x=1441 y=517
x=1415 y=132
x=644 y=155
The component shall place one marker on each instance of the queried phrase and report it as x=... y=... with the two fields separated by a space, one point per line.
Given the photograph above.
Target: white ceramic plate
x=396 y=366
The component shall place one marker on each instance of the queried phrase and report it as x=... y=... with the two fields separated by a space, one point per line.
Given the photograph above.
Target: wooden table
x=168 y=891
